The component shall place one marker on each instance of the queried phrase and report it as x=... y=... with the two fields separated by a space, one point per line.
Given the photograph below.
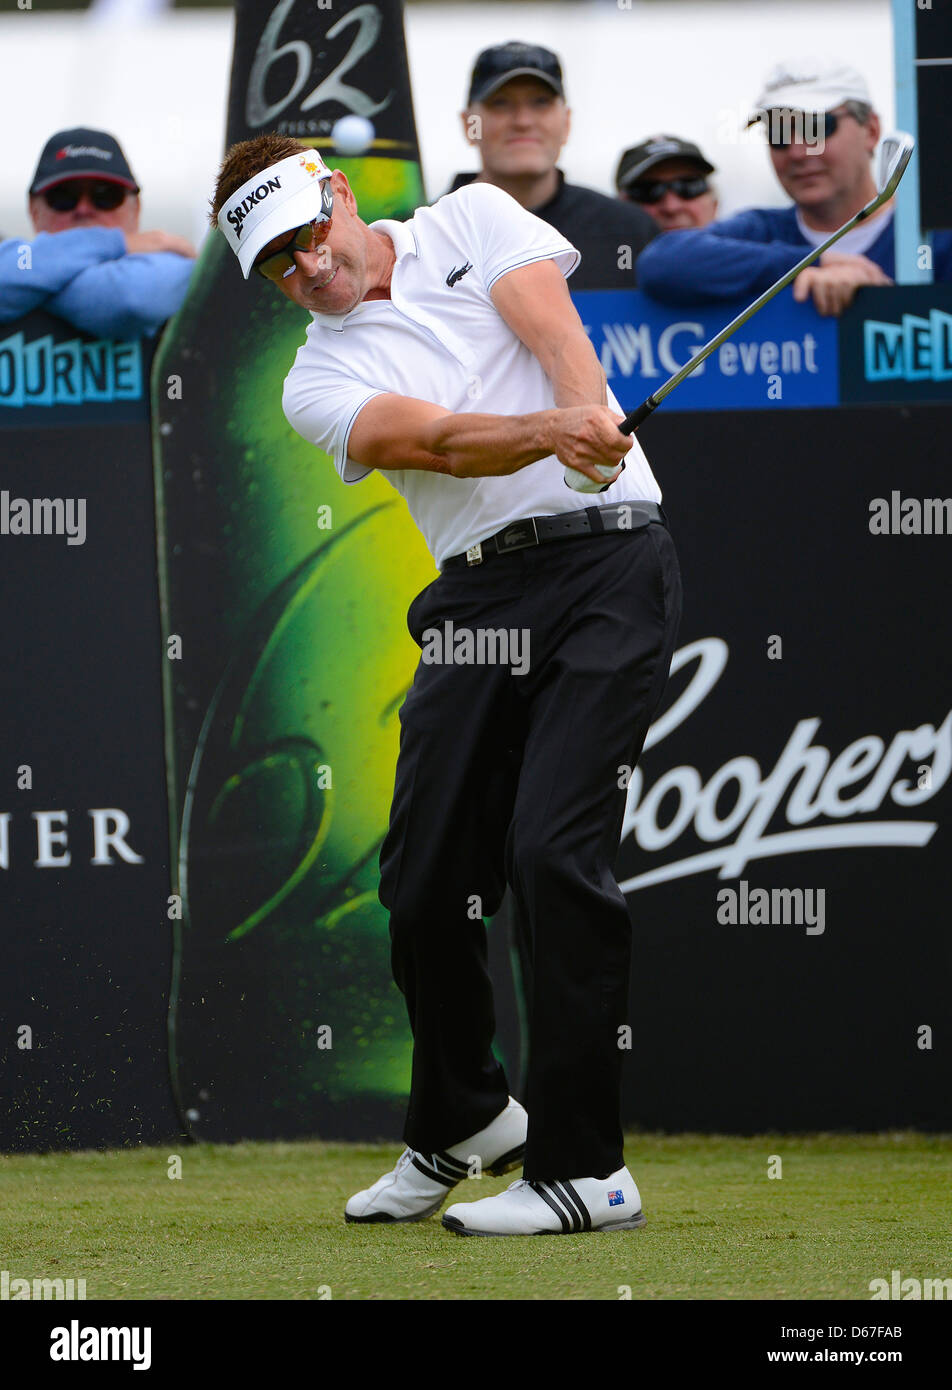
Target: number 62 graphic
x=369 y=23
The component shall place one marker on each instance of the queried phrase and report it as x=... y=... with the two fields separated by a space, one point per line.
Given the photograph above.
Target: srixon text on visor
x=257 y=195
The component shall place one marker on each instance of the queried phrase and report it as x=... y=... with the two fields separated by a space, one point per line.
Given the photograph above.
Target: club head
x=897 y=150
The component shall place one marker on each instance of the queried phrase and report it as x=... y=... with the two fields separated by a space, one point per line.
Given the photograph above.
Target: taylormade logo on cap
x=654 y=147
x=73 y=151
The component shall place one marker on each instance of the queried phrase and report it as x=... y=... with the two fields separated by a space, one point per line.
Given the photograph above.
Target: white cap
x=810 y=84
x=284 y=195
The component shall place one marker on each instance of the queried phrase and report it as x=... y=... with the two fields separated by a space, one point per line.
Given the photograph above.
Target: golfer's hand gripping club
x=581 y=482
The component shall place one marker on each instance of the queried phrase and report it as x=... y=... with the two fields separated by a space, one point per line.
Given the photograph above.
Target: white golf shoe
x=552 y=1208
x=421 y=1183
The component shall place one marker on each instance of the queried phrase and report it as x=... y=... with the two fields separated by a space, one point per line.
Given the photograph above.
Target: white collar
x=404 y=244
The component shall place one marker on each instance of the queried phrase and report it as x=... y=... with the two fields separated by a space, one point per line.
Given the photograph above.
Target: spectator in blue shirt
x=822 y=133
x=89 y=264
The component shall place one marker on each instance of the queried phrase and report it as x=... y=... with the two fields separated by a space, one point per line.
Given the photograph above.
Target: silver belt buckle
x=474 y=555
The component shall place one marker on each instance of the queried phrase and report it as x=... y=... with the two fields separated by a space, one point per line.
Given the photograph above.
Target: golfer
x=446 y=353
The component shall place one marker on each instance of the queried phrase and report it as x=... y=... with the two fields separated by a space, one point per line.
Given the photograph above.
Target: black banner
x=896 y=345
x=84 y=873
x=934 y=99
x=785 y=855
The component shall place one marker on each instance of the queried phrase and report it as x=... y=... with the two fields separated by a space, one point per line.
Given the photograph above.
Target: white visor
x=283 y=196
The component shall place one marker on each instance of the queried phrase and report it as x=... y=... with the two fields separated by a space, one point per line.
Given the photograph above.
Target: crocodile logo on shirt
x=455 y=275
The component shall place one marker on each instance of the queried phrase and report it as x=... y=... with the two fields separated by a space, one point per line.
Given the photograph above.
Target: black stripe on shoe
x=449 y=1164
x=583 y=1209
x=433 y=1172
x=568 y=1227
x=449 y=1167
x=558 y=1191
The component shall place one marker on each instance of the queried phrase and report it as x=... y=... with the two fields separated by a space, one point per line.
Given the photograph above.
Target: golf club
x=897 y=150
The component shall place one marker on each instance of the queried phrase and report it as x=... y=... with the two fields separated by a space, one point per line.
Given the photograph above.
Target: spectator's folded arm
x=734 y=259
x=126 y=298
x=31 y=272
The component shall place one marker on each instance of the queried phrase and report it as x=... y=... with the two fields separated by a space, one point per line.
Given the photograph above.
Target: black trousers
x=507 y=777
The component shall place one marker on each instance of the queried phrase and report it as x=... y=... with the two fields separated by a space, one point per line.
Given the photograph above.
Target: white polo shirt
x=439 y=338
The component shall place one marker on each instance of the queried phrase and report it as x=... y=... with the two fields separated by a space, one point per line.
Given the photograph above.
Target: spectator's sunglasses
x=305 y=238
x=681 y=188
x=105 y=196
x=785 y=127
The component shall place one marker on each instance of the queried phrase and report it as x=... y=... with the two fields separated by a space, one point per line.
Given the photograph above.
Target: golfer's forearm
x=575 y=372
x=479 y=446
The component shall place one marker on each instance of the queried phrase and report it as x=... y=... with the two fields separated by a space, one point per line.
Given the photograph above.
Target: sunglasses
x=104 y=196
x=307 y=237
x=786 y=127
x=654 y=192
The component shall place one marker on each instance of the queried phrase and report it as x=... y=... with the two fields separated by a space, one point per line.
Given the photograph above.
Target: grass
x=264 y=1221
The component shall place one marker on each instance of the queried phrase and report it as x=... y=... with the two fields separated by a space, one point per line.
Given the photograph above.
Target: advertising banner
x=785 y=356
x=785 y=853
x=84 y=862
x=286 y=594
x=284 y=617
x=46 y=364
x=896 y=345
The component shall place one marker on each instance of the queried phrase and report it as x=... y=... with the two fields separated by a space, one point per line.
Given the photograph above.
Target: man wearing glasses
x=503 y=776
x=667 y=177
x=822 y=133
x=89 y=264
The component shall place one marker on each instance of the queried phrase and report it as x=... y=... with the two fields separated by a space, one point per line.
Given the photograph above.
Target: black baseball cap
x=497 y=65
x=636 y=162
x=82 y=154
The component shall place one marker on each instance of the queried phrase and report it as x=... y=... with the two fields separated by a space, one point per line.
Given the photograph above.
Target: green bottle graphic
x=284 y=612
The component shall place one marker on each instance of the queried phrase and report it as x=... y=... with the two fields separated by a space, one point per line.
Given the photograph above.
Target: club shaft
x=641 y=413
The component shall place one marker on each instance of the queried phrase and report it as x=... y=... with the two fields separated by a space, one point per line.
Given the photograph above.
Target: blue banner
x=787 y=355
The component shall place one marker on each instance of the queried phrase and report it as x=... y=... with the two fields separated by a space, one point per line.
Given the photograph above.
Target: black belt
x=536 y=530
